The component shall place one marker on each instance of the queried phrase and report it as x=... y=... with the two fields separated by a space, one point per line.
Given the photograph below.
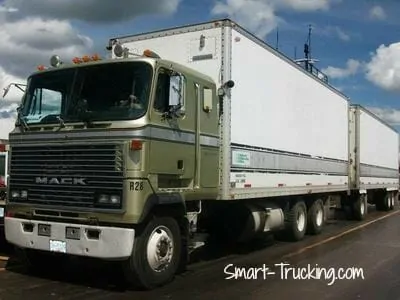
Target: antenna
x=277 y=39
x=308 y=60
x=307 y=49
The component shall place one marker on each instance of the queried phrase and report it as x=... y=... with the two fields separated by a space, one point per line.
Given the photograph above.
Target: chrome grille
x=100 y=165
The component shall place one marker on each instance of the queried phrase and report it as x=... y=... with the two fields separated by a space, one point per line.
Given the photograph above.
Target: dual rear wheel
x=301 y=220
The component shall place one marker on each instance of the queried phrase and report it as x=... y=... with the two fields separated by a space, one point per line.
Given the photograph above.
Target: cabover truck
x=184 y=135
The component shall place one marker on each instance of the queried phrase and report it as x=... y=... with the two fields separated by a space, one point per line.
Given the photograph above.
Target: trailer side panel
x=378 y=150
x=289 y=131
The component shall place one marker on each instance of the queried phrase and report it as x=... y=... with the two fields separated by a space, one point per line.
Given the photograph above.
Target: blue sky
x=346 y=37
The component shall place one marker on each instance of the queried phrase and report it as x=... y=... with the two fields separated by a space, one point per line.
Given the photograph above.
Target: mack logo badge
x=65 y=180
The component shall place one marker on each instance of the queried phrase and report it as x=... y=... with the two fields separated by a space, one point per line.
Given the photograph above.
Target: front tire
x=156 y=254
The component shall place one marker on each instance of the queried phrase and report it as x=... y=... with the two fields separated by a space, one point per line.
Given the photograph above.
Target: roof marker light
x=149 y=53
x=77 y=60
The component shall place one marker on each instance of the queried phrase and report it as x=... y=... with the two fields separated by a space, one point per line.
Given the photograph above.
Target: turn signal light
x=41 y=68
x=2 y=148
x=86 y=58
x=96 y=57
x=77 y=60
x=136 y=145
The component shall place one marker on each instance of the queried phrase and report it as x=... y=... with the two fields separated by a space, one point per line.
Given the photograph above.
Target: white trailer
x=284 y=130
x=374 y=157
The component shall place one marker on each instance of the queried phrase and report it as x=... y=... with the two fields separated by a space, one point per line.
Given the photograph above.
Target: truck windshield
x=103 y=92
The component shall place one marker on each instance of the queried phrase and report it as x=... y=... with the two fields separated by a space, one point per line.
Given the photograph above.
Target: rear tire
x=156 y=254
x=360 y=207
x=383 y=201
x=316 y=217
x=387 y=201
x=392 y=200
x=296 y=221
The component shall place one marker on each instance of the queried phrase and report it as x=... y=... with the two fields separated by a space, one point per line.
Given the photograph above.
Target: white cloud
x=384 y=67
x=32 y=31
x=29 y=42
x=341 y=34
x=389 y=115
x=260 y=16
x=8 y=9
x=92 y=10
x=377 y=13
x=352 y=67
x=306 y=5
x=9 y=104
x=334 y=31
x=6 y=126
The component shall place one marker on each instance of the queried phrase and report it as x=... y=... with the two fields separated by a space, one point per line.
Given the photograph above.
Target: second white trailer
x=374 y=157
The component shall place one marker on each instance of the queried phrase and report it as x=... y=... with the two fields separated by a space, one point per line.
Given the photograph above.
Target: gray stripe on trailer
x=376 y=171
x=273 y=161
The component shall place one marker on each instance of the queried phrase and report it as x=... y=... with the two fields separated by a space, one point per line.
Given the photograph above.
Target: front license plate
x=58 y=246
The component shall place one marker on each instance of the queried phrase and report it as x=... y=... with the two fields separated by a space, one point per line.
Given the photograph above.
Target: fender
x=164 y=199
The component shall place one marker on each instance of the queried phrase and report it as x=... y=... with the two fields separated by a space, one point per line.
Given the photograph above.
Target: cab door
x=172 y=156
x=207 y=175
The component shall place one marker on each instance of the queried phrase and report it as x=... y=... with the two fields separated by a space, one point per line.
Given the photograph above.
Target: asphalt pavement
x=368 y=252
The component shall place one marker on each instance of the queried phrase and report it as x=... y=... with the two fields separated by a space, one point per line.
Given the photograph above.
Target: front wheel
x=156 y=254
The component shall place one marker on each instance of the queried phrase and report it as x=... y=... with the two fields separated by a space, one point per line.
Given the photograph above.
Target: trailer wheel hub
x=319 y=217
x=301 y=220
x=160 y=248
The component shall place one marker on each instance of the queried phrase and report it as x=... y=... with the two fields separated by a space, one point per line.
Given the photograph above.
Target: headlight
x=15 y=194
x=19 y=194
x=104 y=199
x=24 y=194
x=109 y=199
x=114 y=199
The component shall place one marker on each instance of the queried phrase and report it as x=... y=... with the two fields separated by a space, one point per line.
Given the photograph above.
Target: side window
x=207 y=99
x=46 y=102
x=170 y=91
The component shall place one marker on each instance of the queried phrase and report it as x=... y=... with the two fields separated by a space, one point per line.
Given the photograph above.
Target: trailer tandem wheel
x=296 y=221
x=360 y=207
x=316 y=217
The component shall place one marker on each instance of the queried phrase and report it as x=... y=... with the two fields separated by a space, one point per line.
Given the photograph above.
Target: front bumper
x=83 y=240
